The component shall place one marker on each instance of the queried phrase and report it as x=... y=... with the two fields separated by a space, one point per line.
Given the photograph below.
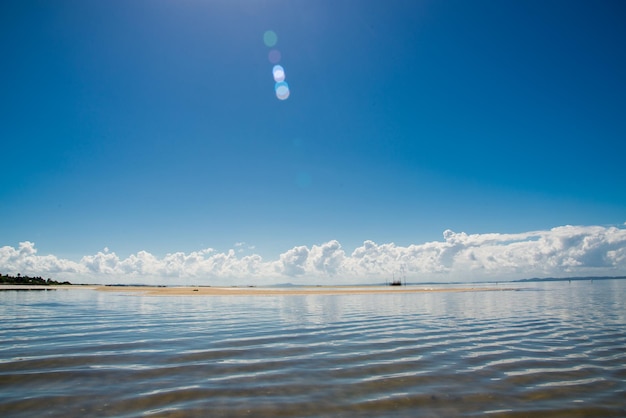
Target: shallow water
x=554 y=349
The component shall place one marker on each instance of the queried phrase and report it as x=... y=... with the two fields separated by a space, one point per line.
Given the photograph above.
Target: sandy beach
x=295 y=291
x=258 y=291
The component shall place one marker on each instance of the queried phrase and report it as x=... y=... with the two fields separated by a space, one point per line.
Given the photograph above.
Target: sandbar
x=290 y=291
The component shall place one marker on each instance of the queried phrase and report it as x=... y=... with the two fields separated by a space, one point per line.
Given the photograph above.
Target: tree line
x=38 y=281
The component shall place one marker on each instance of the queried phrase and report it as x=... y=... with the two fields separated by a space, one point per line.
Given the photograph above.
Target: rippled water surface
x=553 y=349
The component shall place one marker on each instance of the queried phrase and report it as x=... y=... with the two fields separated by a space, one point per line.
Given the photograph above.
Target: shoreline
x=297 y=291
x=257 y=291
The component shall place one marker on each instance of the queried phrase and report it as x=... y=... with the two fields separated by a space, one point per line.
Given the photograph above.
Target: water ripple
x=363 y=355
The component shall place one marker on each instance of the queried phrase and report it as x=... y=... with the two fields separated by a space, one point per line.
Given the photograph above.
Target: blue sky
x=153 y=125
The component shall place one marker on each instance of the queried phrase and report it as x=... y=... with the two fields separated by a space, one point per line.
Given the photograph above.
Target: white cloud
x=25 y=259
x=292 y=262
x=561 y=251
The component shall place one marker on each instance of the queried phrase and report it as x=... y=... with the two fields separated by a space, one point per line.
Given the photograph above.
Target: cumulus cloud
x=562 y=251
x=320 y=261
x=292 y=262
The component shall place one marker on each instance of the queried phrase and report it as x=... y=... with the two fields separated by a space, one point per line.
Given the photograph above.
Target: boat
x=397 y=282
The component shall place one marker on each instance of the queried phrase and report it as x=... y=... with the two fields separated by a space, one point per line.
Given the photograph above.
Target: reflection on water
x=548 y=348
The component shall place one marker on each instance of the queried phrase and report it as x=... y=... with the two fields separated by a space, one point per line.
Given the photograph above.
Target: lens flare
x=274 y=56
x=281 y=84
x=270 y=38
x=279 y=73
x=282 y=90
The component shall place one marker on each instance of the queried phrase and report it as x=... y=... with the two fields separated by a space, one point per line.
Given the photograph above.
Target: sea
x=549 y=349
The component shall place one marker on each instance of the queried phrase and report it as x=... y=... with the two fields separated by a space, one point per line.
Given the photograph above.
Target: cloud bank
x=564 y=251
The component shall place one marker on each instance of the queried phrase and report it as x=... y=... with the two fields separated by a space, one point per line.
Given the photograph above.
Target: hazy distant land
x=562 y=279
x=26 y=282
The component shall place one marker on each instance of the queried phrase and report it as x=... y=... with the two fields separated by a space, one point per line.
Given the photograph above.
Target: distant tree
x=37 y=280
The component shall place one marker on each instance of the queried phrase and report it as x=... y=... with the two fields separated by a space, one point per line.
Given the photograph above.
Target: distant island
x=26 y=280
x=562 y=279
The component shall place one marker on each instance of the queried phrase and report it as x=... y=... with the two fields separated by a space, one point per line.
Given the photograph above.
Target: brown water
x=554 y=349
